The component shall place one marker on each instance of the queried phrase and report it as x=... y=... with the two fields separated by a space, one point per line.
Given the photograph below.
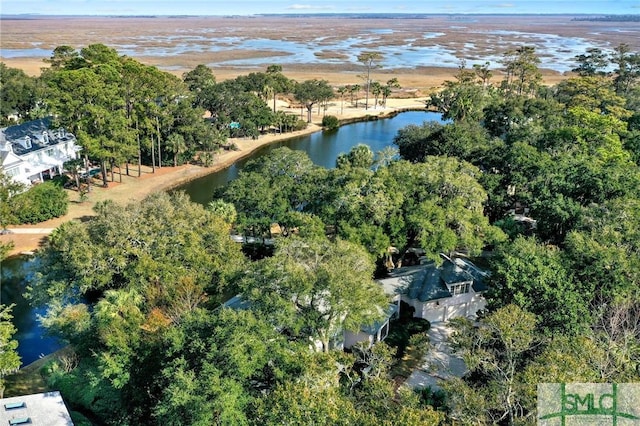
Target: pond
x=32 y=341
x=322 y=147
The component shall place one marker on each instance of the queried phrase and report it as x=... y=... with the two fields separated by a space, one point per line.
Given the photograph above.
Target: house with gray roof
x=374 y=333
x=344 y=339
x=32 y=151
x=439 y=292
x=42 y=409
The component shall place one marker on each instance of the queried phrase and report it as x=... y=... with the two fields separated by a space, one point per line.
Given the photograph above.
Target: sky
x=253 y=7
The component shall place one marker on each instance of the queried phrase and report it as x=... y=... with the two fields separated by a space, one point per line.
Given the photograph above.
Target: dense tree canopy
x=315 y=288
x=137 y=289
x=437 y=205
x=9 y=358
x=164 y=248
x=18 y=95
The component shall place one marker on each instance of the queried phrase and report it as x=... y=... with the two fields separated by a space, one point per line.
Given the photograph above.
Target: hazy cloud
x=248 y=7
x=309 y=7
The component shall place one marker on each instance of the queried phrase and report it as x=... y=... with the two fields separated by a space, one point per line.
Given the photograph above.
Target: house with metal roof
x=32 y=151
x=42 y=409
x=439 y=292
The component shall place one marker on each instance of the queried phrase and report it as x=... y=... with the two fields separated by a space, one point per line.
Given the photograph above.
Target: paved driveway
x=438 y=363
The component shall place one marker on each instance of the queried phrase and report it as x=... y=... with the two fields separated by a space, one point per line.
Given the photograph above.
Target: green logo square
x=570 y=404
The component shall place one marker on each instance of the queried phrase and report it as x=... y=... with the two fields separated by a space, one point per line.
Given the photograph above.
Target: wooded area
x=542 y=184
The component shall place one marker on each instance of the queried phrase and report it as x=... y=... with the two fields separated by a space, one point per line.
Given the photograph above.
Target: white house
x=439 y=293
x=31 y=152
x=374 y=333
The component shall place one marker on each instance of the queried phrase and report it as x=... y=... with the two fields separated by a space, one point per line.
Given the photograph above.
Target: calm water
x=555 y=52
x=32 y=343
x=322 y=147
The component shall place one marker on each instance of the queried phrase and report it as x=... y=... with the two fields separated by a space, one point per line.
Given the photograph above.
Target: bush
x=300 y=125
x=330 y=122
x=420 y=342
x=42 y=202
x=435 y=398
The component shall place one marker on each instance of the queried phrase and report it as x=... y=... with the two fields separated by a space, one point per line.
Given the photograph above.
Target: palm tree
x=385 y=156
x=386 y=89
x=279 y=119
x=354 y=90
x=376 y=89
x=342 y=91
x=267 y=93
x=176 y=144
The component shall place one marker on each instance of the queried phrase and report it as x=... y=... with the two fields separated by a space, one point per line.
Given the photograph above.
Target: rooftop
x=430 y=282
x=39 y=135
x=42 y=409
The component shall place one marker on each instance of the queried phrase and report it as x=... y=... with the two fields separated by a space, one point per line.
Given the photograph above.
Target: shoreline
x=29 y=238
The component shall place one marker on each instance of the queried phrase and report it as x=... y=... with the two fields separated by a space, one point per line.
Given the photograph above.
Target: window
x=460 y=288
x=14 y=405
x=13 y=172
x=384 y=331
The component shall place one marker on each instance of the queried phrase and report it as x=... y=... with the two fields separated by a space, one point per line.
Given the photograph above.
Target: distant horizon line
x=292 y=14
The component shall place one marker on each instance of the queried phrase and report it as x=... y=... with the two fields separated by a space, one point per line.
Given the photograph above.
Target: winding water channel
x=323 y=148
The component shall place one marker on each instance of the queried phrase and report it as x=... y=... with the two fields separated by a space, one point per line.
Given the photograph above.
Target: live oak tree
x=216 y=364
x=270 y=189
x=360 y=156
x=465 y=140
x=463 y=99
x=311 y=92
x=603 y=251
x=539 y=279
x=164 y=248
x=495 y=352
x=231 y=101
x=442 y=208
x=18 y=94
x=595 y=93
x=199 y=81
x=313 y=289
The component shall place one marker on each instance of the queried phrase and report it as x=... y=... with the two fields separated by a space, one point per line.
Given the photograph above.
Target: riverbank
x=28 y=238
x=28 y=379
